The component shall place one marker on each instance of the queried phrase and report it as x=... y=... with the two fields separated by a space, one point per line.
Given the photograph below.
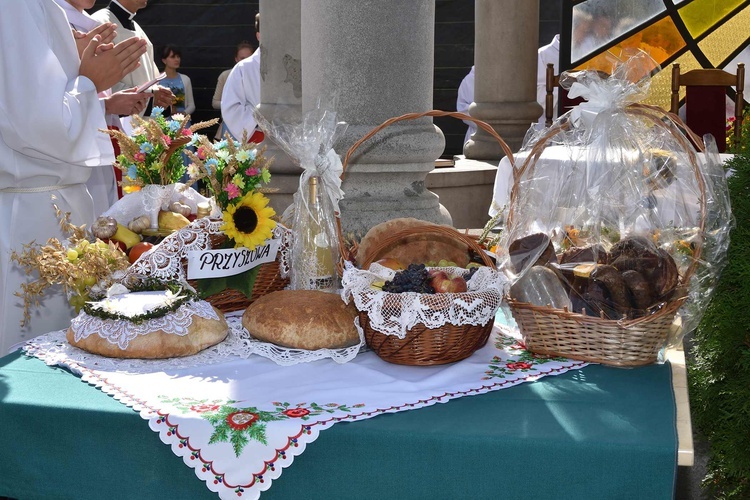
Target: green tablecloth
x=595 y=433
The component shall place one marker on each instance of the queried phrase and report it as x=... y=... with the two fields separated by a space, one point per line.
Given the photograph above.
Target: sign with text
x=229 y=261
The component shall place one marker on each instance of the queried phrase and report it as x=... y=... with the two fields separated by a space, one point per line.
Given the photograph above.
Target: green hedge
x=720 y=372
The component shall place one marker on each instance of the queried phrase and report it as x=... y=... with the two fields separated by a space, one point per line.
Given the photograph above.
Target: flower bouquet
x=234 y=172
x=152 y=154
x=83 y=267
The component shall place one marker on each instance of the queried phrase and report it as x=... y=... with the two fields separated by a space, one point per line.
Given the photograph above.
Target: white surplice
x=49 y=142
x=241 y=95
x=102 y=184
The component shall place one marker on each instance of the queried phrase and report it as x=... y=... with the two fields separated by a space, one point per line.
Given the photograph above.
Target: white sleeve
x=46 y=111
x=189 y=101
x=465 y=97
x=239 y=99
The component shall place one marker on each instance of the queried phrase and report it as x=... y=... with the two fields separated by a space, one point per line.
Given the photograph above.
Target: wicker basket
x=425 y=346
x=623 y=343
x=269 y=279
x=422 y=346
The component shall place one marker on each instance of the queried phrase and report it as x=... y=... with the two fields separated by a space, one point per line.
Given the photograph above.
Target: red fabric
x=257 y=137
x=118 y=172
x=705 y=113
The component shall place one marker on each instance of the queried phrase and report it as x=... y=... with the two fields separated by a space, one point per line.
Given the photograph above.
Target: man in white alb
x=50 y=116
x=242 y=94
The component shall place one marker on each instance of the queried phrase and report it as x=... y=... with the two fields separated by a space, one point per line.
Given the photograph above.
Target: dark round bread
x=532 y=250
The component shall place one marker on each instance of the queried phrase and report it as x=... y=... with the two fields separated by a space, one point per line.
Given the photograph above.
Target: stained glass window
x=693 y=33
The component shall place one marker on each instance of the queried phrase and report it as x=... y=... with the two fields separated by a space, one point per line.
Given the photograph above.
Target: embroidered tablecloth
x=239 y=423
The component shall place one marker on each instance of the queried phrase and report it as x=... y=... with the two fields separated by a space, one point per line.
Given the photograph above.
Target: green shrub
x=720 y=372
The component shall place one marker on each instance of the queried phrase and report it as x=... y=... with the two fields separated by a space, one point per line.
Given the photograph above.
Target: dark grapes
x=414 y=278
x=470 y=274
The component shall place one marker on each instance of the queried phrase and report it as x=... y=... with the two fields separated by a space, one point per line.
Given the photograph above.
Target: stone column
x=505 y=60
x=375 y=61
x=281 y=87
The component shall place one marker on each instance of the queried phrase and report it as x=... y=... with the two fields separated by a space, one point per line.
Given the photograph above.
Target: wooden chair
x=705 y=100
x=552 y=82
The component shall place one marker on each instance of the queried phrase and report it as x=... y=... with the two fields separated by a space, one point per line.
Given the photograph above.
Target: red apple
x=138 y=249
x=442 y=283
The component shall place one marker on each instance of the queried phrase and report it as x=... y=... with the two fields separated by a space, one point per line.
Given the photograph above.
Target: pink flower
x=232 y=190
x=252 y=171
x=167 y=140
x=186 y=132
x=139 y=157
x=202 y=153
x=520 y=365
x=203 y=408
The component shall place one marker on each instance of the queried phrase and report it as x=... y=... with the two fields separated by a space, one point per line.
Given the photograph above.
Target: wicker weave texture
x=426 y=346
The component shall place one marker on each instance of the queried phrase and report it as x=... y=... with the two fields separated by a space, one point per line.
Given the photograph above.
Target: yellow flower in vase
x=248 y=222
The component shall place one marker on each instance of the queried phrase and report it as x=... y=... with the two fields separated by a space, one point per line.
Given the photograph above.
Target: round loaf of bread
x=202 y=333
x=418 y=248
x=302 y=319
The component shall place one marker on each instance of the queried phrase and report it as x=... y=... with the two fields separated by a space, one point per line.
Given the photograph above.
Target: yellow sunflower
x=249 y=222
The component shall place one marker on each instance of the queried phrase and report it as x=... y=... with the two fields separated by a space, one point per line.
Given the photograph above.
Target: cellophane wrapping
x=309 y=143
x=622 y=179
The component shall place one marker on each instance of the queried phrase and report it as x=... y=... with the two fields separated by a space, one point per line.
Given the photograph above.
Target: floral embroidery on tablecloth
x=519 y=359
x=238 y=426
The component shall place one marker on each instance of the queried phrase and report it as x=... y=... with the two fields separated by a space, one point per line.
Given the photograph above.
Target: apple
x=442 y=283
x=138 y=249
x=391 y=263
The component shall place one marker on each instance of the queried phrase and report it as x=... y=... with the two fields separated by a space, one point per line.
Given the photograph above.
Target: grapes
x=470 y=274
x=414 y=278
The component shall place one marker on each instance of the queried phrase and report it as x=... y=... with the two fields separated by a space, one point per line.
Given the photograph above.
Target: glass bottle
x=314 y=267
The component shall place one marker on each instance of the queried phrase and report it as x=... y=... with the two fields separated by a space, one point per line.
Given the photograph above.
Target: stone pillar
x=281 y=88
x=505 y=60
x=375 y=61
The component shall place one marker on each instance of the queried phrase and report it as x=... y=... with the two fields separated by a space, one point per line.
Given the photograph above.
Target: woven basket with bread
x=586 y=291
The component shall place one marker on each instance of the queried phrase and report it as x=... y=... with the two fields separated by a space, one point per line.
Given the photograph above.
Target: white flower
x=178 y=117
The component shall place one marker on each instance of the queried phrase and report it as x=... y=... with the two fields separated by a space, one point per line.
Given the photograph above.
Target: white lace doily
x=121 y=332
x=166 y=261
x=396 y=313
x=53 y=348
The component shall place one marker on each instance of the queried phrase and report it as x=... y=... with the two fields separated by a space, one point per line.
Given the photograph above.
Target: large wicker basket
x=423 y=346
x=623 y=343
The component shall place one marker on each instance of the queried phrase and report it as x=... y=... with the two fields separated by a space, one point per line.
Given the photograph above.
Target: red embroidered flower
x=296 y=412
x=203 y=408
x=240 y=420
x=520 y=365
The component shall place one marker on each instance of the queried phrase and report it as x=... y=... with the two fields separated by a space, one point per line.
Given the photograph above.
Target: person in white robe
x=121 y=14
x=50 y=116
x=464 y=100
x=102 y=183
x=242 y=94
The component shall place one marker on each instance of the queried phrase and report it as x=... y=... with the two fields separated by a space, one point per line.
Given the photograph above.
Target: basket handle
x=348 y=253
x=427 y=229
x=653 y=113
x=413 y=116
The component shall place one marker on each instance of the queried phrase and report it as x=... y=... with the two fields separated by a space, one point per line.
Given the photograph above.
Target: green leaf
x=243 y=282
x=238 y=440
x=210 y=286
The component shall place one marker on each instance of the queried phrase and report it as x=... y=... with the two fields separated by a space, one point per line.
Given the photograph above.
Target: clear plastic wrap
x=615 y=200
x=316 y=204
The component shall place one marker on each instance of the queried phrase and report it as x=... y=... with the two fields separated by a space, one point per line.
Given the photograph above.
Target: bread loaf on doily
x=302 y=319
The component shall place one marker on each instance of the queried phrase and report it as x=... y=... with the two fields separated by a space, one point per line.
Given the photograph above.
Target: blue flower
x=157 y=111
x=174 y=126
x=221 y=144
x=210 y=164
x=132 y=172
x=146 y=148
x=196 y=139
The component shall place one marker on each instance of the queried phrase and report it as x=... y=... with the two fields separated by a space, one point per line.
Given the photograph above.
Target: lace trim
x=167 y=261
x=397 y=313
x=121 y=332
